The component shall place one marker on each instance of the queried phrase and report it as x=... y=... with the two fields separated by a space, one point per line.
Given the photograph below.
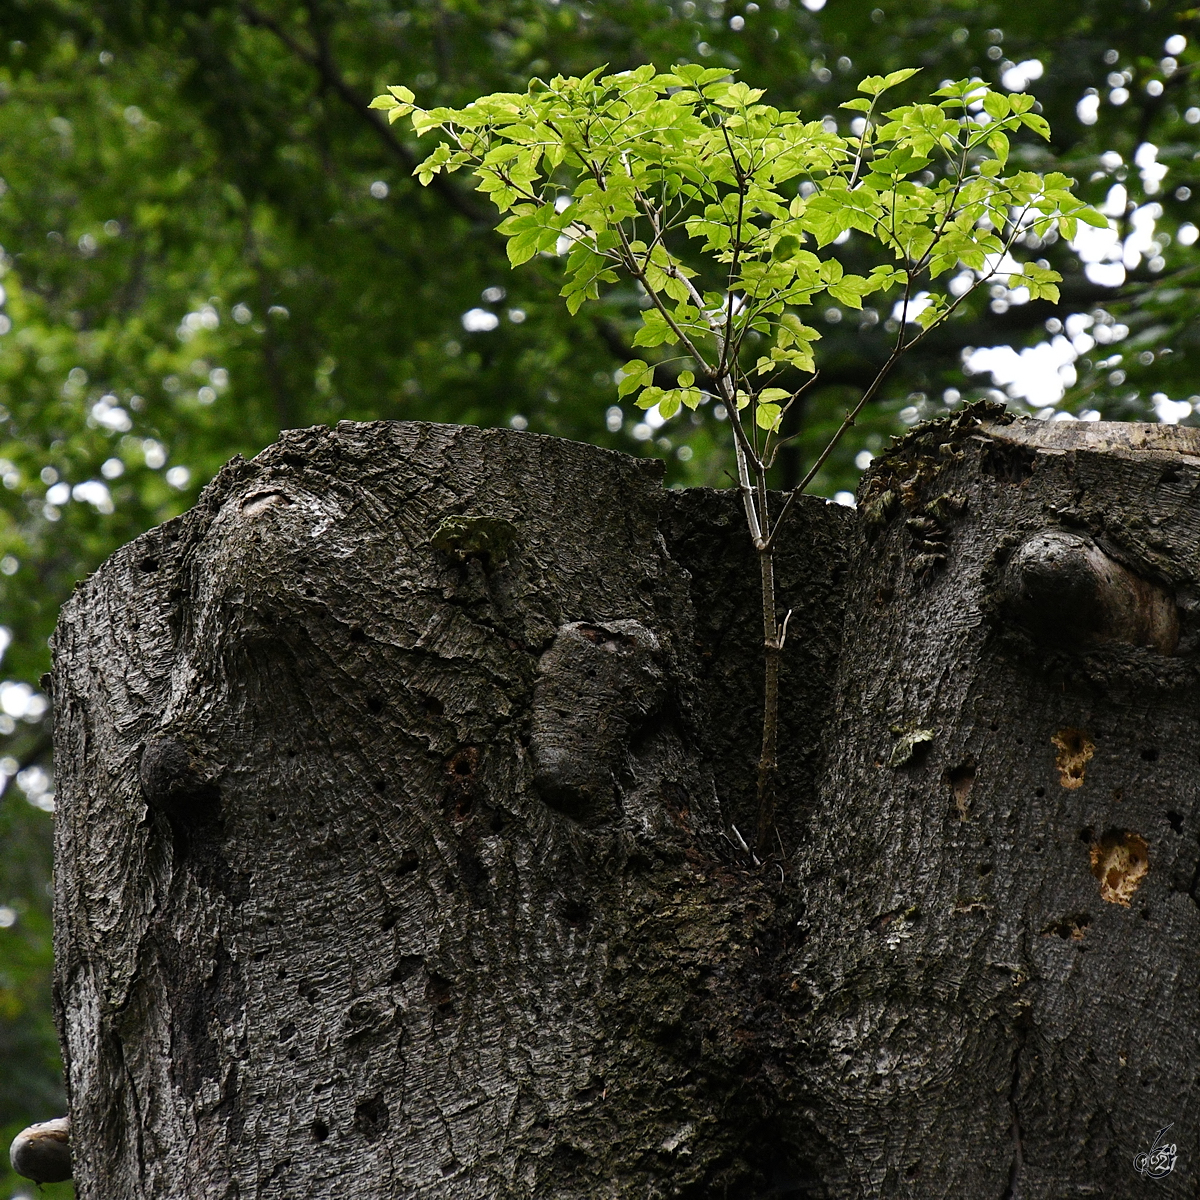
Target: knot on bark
x=176 y=783
x=486 y=538
x=1062 y=588
x=598 y=685
x=171 y=777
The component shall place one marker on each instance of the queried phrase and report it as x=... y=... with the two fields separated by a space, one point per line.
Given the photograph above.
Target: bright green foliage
x=710 y=200
x=719 y=206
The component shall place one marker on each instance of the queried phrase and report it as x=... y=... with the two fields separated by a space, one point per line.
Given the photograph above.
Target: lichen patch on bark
x=1075 y=750
x=911 y=747
x=1120 y=860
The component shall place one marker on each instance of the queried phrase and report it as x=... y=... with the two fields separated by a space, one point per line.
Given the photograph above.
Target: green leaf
x=529 y=230
x=669 y=404
x=634 y=374
x=737 y=95
x=1040 y=281
x=768 y=416
x=885 y=277
x=932 y=312
x=799 y=356
x=423 y=121
x=522 y=247
x=963 y=91
x=785 y=248
x=903 y=160
x=858 y=104
x=996 y=105
x=873 y=85
x=797 y=329
x=1038 y=124
x=826 y=218
x=655 y=330
x=850 y=290
x=686 y=379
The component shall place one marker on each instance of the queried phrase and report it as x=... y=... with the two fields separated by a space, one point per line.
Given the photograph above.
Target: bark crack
x=1012 y=1189
x=139 y=1121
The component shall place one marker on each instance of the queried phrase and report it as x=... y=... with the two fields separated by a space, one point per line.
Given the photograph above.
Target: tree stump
x=1001 y=975
x=389 y=851
x=402 y=787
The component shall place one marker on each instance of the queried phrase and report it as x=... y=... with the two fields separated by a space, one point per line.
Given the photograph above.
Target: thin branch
x=898 y=351
x=791 y=437
x=744 y=451
x=631 y=265
x=862 y=142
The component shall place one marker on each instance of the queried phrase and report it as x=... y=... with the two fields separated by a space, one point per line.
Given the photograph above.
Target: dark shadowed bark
x=402 y=792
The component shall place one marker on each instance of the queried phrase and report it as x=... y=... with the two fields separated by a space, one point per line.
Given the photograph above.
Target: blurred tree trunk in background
x=400 y=788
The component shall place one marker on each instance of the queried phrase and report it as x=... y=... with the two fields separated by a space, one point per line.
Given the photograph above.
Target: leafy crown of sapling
x=719 y=207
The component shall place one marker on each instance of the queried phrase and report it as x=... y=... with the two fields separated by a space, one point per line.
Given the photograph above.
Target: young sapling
x=726 y=212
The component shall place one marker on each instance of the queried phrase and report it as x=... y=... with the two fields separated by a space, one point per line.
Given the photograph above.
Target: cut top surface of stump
x=1105 y=436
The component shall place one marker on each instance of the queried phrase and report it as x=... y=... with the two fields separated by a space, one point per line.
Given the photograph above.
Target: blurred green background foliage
x=208 y=237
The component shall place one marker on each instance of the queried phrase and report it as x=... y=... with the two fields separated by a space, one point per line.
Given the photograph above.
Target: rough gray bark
x=1001 y=974
x=397 y=785
x=388 y=850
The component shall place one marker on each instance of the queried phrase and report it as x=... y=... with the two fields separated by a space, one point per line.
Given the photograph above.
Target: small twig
x=783 y=630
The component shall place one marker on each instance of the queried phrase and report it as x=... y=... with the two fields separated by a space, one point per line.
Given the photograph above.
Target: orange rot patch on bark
x=1075 y=750
x=1120 y=861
